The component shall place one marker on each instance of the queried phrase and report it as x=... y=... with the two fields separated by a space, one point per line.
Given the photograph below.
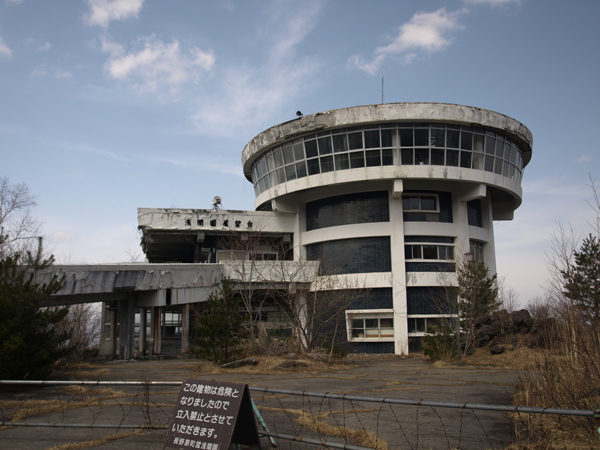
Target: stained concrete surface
x=391 y=377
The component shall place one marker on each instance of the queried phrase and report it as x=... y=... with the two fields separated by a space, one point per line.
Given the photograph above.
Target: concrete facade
x=385 y=198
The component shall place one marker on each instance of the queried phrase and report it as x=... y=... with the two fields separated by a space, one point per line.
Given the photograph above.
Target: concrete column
x=114 y=326
x=185 y=328
x=126 y=327
x=398 y=270
x=156 y=330
x=142 y=339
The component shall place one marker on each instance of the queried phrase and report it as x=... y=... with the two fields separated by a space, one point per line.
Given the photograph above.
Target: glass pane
x=465 y=159
x=387 y=138
x=301 y=169
x=340 y=143
x=438 y=138
x=452 y=136
x=288 y=155
x=489 y=163
x=422 y=137
x=412 y=325
x=387 y=331
x=430 y=252
x=373 y=158
x=415 y=205
x=357 y=323
x=499 y=148
x=311 y=148
x=421 y=325
x=478 y=161
x=357 y=159
x=466 y=140
x=372 y=139
x=386 y=323
x=313 y=166
x=387 y=157
x=498 y=166
x=278 y=157
x=280 y=176
x=437 y=156
x=406 y=137
x=355 y=141
x=290 y=172
x=407 y=156
x=298 y=151
x=326 y=164
x=452 y=157
x=270 y=162
x=490 y=144
x=325 y=145
x=421 y=156
x=371 y=323
x=342 y=162
x=417 y=252
x=428 y=203
x=408 y=252
x=478 y=142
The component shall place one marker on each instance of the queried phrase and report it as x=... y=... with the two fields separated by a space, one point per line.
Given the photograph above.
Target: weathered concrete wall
x=388 y=112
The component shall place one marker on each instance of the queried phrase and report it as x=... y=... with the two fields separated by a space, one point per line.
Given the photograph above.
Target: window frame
x=420 y=195
x=370 y=314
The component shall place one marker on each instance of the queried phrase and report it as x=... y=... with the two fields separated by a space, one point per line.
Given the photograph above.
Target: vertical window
x=476 y=250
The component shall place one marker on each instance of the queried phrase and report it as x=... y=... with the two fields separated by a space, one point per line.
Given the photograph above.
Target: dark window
x=372 y=139
x=364 y=207
x=361 y=255
x=474 y=213
x=430 y=300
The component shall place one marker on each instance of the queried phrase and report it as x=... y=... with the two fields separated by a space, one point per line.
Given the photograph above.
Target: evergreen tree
x=477 y=293
x=218 y=329
x=582 y=281
x=30 y=344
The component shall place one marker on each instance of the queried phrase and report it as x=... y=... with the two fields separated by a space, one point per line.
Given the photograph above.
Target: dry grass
x=95 y=442
x=91 y=397
x=272 y=365
x=316 y=422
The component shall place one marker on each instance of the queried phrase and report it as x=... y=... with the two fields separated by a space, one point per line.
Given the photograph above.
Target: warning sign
x=210 y=415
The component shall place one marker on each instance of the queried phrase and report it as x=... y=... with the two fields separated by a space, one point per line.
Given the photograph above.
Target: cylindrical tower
x=388 y=197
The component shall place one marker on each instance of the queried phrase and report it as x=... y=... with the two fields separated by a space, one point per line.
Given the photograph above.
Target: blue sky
x=111 y=105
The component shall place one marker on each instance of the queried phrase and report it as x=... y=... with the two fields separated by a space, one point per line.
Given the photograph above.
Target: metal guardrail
x=305 y=440
x=394 y=401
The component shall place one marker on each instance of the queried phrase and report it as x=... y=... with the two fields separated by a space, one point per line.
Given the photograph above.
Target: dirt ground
x=368 y=424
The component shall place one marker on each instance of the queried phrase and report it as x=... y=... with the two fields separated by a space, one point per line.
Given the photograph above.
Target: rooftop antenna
x=382 y=89
x=216 y=203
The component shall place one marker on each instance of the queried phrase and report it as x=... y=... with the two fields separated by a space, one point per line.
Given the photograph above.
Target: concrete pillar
x=399 y=270
x=114 y=326
x=126 y=327
x=185 y=328
x=156 y=330
x=142 y=339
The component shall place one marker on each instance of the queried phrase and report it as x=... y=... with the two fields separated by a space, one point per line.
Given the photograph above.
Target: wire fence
x=292 y=419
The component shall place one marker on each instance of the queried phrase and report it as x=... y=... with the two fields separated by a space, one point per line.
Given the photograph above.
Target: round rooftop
x=387 y=112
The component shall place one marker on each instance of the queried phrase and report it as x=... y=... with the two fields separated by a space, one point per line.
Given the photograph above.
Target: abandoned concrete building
x=382 y=198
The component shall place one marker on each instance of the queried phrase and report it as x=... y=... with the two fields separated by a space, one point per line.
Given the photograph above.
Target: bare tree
x=19 y=230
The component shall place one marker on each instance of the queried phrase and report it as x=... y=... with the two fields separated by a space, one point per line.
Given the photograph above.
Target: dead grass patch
x=272 y=365
x=95 y=442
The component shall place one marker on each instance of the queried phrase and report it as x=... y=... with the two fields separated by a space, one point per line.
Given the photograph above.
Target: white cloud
x=63 y=237
x=14 y=2
x=44 y=71
x=426 y=32
x=102 y=12
x=4 y=49
x=584 y=158
x=492 y=3
x=155 y=66
x=44 y=47
x=252 y=94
